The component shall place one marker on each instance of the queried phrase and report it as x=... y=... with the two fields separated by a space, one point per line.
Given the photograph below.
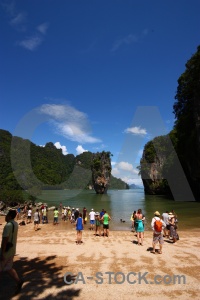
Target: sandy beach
x=45 y=256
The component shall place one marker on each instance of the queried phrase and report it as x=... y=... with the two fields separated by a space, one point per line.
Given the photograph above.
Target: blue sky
x=94 y=75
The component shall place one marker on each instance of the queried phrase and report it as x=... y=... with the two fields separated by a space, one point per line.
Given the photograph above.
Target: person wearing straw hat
x=157 y=225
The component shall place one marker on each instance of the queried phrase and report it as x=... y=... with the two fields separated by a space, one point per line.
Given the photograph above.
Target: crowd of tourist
x=98 y=221
x=162 y=226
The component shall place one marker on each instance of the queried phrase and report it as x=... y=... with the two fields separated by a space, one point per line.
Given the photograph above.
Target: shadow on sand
x=39 y=275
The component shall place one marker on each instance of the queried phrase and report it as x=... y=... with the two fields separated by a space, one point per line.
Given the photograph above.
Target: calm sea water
x=120 y=204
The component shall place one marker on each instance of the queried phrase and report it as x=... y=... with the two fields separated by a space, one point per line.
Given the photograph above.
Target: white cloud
x=131 y=38
x=18 y=19
x=115 y=172
x=126 y=172
x=80 y=150
x=31 y=43
x=125 y=166
x=69 y=122
x=120 y=171
x=59 y=146
x=136 y=130
x=42 y=28
x=129 y=180
x=34 y=41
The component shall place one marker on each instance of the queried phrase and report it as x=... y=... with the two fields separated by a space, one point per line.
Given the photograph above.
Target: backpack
x=158 y=225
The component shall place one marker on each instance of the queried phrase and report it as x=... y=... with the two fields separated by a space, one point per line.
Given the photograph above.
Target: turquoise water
x=120 y=204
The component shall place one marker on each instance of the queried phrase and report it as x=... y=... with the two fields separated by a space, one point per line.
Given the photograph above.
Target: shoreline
x=67 y=225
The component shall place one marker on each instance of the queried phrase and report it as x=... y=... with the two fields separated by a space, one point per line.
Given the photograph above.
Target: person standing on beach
x=29 y=216
x=100 y=217
x=24 y=211
x=44 y=215
x=102 y=213
x=55 y=216
x=173 y=234
x=165 y=217
x=157 y=226
x=72 y=215
x=36 y=217
x=139 y=220
x=65 y=214
x=9 y=237
x=84 y=215
x=106 y=218
x=92 y=218
x=76 y=214
x=18 y=212
x=79 y=228
x=62 y=217
x=97 y=224
x=133 y=224
x=69 y=213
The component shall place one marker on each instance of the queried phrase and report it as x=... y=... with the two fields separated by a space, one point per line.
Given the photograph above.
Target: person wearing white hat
x=92 y=219
x=157 y=225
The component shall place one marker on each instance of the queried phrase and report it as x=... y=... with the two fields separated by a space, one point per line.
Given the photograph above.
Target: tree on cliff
x=187 y=125
x=26 y=166
x=157 y=165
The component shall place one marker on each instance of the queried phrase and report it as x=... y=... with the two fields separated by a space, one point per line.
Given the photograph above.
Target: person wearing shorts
x=36 y=219
x=92 y=219
x=106 y=218
x=97 y=224
x=157 y=236
x=55 y=216
x=9 y=237
x=29 y=216
x=79 y=228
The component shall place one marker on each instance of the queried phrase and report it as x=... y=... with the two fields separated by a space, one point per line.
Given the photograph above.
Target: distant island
x=134 y=186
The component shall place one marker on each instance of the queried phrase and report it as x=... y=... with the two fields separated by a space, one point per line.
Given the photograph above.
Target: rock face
x=101 y=171
x=153 y=183
x=152 y=164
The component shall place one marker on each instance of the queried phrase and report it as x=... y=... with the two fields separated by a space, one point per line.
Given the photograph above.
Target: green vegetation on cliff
x=26 y=166
x=187 y=113
x=159 y=158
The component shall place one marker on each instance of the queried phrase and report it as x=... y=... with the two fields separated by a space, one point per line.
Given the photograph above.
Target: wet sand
x=44 y=257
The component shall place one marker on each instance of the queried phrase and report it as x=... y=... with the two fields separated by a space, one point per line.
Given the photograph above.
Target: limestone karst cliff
x=101 y=171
